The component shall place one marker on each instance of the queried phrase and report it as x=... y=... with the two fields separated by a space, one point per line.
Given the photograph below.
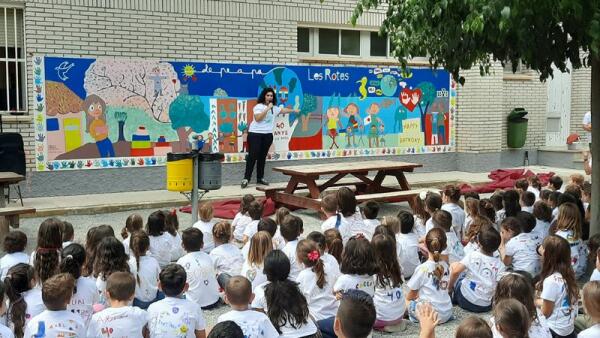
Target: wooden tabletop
x=345 y=167
x=10 y=177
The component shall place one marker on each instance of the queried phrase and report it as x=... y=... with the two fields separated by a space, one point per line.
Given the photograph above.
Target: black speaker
x=12 y=153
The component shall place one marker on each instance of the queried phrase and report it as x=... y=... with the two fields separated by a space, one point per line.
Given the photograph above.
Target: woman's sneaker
x=244 y=183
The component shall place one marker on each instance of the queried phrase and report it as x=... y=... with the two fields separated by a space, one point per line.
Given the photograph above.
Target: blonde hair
x=392 y=223
x=436 y=242
x=206 y=212
x=577 y=179
x=260 y=246
x=472 y=207
x=591 y=300
x=569 y=218
x=280 y=215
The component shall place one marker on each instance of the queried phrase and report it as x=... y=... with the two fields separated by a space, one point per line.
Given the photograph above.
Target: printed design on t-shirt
x=458 y=249
x=251 y=274
x=251 y=329
x=62 y=327
x=395 y=295
x=487 y=271
x=439 y=284
x=165 y=324
x=366 y=284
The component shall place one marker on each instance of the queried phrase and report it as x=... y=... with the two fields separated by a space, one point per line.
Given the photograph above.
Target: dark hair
x=489 y=239
x=433 y=201
x=238 y=290
x=57 y=291
x=442 y=219
x=121 y=286
x=172 y=279
x=319 y=240
x=155 y=226
x=512 y=318
x=510 y=200
x=356 y=314
x=94 y=236
x=226 y=329
x=383 y=229
x=305 y=253
x=291 y=227
x=513 y=224
x=452 y=192
x=554 y=197
x=557 y=258
x=407 y=222
x=556 y=182
x=496 y=200
x=346 y=201
x=18 y=280
x=386 y=257
x=528 y=198
x=473 y=327
x=192 y=239
x=329 y=202
x=358 y=257
x=573 y=189
x=134 y=223
x=222 y=232
x=15 y=241
x=522 y=184
x=268 y=225
x=534 y=181
x=487 y=210
x=518 y=286
x=477 y=223
x=286 y=304
x=110 y=258
x=471 y=194
x=436 y=242
x=263 y=94
x=334 y=244
x=245 y=202
x=542 y=211
x=527 y=220
x=72 y=259
x=49 y=243
x=593 y=245
x=370 y=209
x=255 y=210
x=171 y=222
x=545 y=194
x=67 y=231
x=139 y=244
x=276 y=266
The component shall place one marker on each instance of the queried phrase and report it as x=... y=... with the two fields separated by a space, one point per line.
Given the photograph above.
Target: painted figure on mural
x=353 y=114
x=441 y=127
x=382 y=134
x=434 y=128
x=157 y=81
x=374 y=123
x=333 y=124
x=400 y=115
x=95 y=110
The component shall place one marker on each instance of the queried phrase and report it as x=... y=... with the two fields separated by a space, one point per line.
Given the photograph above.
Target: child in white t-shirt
x=518 y=249
x=86 y=293
x=591 y=304
x=482 y=270
x=278 y=240
x=241 y=219
x=56 y=321
x=14 y=248
x=329 y=209
x=358 y=267
x=161 y=241
x=291 y=228
x=68 y=234
x=238 y=294
x=268 y=225
x=596 y=273
x=252 y=269
x=145 y=269
x=226 y=257
x=407 y=244
x=420 y=215
x=255 y=211
x=471 y=212
x=120 y=319
x=543 y=217
x=429 y=283
x=370 y=210
x=558 y=287
x=201 y=277
x=133 y=223
x=450 y=198
x=110 y=257
x=20 y=285
x=454 y=251
x=433 y=203
x=527 y=201
x=176 y=316
x=511 y=319
x=172 y=228
x=206 y=224
x=568 y=226
x=331 y=264
x=356 y=315
x=5 y=332
x=353 y=223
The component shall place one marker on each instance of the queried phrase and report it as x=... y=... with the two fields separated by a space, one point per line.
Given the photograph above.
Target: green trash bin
x=517 y=128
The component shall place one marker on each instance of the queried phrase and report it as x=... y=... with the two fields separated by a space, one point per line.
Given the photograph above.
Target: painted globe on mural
x=287 y=87
x=389 y=84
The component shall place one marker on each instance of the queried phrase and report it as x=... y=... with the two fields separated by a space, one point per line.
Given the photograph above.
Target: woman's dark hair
x=48 y=248
x=156 y=223
x=18 y=280
x=139 y=244
x=110 y=258
x=510 y=201
x=334 y=244
x=346 y=201
x=171 y=222
x=72 y=259
x=388 y=268
x=305 y=253
x=557 y=258
x=285 y=303
x=358 y=257
x=94 y=236
x=263 y=94
x=15 y=241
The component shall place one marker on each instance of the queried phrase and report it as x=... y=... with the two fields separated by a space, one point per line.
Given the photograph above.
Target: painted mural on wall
x=114 y=113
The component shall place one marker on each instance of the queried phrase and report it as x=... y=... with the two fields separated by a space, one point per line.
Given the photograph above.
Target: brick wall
x=531 y=95
x=581 y=82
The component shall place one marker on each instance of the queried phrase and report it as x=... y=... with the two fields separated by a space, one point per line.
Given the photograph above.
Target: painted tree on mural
x=543 y=35
x=309 y=106
x=427 y=98
x=187 y=114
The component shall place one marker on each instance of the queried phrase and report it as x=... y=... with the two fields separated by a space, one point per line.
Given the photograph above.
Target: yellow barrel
x=180 y=171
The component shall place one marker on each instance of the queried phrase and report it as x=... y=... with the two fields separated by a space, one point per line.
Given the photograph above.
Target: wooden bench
x=12 y=214
x=270 y=190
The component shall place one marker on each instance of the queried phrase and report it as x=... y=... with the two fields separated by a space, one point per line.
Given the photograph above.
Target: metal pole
x=195 y=190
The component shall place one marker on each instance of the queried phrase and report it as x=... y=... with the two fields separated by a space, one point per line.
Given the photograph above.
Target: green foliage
x=309 y=104
x=278 y=72
x=459 y=34
x=429 y=93
x=188 y=111
x=292 y=84
x=120 y=116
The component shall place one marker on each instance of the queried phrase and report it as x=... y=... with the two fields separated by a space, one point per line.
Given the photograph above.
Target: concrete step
x=560 y=157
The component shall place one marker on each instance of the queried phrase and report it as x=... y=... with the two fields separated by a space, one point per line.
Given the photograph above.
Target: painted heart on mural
x=410 y=98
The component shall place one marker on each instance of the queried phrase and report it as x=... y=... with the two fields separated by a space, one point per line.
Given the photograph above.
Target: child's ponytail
x=72 y=260
x=133 y=223
x=308 y=253
x=140 y=243
x=436 y=243
x=18 y=280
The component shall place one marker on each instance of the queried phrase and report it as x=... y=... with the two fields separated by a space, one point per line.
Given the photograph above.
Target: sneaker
x=400 y=327
x=262 y=182
x=244 y=183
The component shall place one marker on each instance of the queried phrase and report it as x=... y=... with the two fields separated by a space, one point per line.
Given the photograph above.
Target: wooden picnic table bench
x=306 y=177
x=9 y=215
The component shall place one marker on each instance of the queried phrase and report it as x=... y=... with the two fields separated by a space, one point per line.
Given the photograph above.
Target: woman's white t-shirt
x=578 y=252
x=390 y=304
x=254 y=273
x=227 y=258
x=207 y=236
x=239 y=223
x=458 y=217
x=127 y=321
x=253 y=323
x=408 y=252
x=266 y=125
x=35 y=304
x=160 y=248
x=203 y=287
x=359 y=282
x=10 y=260
x=321 y=302
x=562 y=319
x=175 y=317
x=523 y=250
x=147 y=288
x=481 y=278
x=432 y=290
x=62 y=323
x=84 y=299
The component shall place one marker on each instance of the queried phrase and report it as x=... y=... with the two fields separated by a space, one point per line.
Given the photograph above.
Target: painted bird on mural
x=363 y=87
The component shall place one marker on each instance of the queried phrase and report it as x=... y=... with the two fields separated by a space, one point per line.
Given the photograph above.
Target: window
x=521 y=68
x=303 y=40
x=13 y=84
x=379 y=44
x=350 y=42
x=329 y=41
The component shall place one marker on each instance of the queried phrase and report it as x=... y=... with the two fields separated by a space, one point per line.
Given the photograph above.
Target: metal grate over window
x=13 y=85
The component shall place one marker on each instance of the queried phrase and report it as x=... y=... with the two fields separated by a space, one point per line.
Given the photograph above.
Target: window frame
x=21 y=86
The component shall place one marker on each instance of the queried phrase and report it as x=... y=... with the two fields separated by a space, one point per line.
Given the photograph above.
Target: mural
x=115 y=113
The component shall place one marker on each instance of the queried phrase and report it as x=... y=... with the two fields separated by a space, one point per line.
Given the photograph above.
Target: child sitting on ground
x=543 y=217
x=68 y=234
x=511 y=318
x=252 y=269
x=291 y=228
x=370 y=210
x=521 y=185
x=255 y=211
x=356 y=315
x=226 y=257
x=85 y=294
x=160 y=241
x=555 y=183
x=110 y=258
x=14 y=248
x=329 y=208
x=278 y=241
x=433 y=203
x=591 y=304
x=226 y=329
x=172 y=228
x=454 y=251
x=25 y=300
x=120 y=319
x=535 y=186
x=5 y=332
x=56 y=321
x=358 y=267
x=526 y=201
x=518 y=250
x=206 y=224
x=333 y=244
x=407 y=244
x=164 y=320
x=238 y=294
x=420 y=215
x=450 y=200
x=145 y=269
x=568 y=226
x=241 y=219
x=353 y=223
x=596 y=273
x=133 y=223
x=268 y=225
x=203 y=288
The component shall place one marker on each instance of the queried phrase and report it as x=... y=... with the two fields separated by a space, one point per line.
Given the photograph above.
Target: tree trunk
x=305 y=119
x=182 y=145
x=121 y=134
x=595 y=109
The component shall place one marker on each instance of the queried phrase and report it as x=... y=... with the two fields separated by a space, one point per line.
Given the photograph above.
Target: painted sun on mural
x=115 y=113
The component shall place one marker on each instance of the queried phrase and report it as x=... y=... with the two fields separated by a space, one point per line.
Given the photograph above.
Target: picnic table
x=305 y=177
x=9 y=215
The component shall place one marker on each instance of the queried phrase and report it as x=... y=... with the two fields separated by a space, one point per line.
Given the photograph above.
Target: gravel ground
x=311 y=223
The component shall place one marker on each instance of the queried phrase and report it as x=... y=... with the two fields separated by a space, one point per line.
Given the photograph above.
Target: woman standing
x=260 y=134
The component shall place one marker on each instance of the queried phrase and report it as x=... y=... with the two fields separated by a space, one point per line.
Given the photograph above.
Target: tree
x=310 y=104
x=459 y=34
x=121 y=117
x=187 y=114
x=428 y=92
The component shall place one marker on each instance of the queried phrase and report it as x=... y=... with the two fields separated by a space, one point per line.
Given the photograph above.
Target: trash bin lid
x=210 y=157
x=171 y=157
x=517 y=113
